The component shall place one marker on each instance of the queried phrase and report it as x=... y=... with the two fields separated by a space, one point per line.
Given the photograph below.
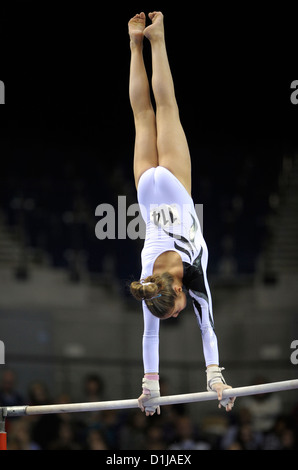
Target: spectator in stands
x=264 y=408
x=96 y=440
x=45 y=428
x=187 y=437
x=20 y=435
x=93 y=388
x=9 y=396
x=93 y=391
x=242 y=433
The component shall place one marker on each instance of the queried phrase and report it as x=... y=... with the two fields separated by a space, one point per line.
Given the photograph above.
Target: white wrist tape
x=150 y=387
x=214 y=376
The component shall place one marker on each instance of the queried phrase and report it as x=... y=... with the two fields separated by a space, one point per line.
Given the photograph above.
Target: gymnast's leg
x=145 y=155
x=173 y=151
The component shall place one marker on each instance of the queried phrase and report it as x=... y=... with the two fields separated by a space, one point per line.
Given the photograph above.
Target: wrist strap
x=214 y=376
x=150 y=386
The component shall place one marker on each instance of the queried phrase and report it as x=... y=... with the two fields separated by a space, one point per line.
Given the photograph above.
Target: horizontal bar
x=169 y=400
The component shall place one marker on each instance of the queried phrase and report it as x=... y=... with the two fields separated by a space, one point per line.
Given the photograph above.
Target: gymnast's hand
x=228 y=403
x=150 y=390
x=216 y=383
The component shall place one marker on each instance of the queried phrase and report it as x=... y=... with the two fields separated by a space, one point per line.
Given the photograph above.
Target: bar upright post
x=3 y=435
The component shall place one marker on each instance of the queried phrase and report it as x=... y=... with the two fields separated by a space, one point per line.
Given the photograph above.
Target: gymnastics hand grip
x=150 y=390
x=214 y=376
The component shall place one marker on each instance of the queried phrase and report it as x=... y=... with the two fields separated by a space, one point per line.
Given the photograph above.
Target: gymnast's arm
x=151 y=362
x=206 y=325
x=150 y=342
x=215 y=380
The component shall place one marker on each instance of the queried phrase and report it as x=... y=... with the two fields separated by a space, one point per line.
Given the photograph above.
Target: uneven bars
x=169 y=400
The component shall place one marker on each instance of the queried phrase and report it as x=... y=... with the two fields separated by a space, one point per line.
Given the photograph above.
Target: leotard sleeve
x=206 y=325
x=150 y=341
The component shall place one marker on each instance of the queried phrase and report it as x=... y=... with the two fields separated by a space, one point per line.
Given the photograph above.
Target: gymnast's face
x=180 y=304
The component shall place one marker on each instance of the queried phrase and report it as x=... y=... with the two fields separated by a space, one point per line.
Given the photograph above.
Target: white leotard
x=172 y=225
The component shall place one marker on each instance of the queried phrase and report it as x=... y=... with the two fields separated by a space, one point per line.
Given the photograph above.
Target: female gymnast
x=174 y=257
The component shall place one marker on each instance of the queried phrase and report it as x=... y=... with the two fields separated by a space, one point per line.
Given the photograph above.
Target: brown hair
x=159 y=295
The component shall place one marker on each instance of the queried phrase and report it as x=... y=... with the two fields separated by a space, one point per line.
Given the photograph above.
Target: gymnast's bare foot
x=156 y=30
x=136 y=28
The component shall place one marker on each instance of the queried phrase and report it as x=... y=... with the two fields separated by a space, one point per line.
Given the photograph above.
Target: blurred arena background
x=70 y=328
